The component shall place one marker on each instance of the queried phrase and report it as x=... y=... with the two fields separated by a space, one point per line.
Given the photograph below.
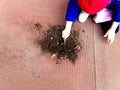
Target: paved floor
x=24 y=67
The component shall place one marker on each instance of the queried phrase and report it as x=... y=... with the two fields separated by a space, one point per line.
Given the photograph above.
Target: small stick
x=64 y=41
x=73 y=38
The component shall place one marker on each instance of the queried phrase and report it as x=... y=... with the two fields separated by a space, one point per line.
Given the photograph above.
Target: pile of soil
x=54 y=43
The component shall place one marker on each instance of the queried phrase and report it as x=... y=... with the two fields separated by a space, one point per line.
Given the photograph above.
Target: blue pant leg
x=72 y=10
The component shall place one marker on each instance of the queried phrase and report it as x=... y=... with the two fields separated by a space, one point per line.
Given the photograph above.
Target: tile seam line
x=94 y=57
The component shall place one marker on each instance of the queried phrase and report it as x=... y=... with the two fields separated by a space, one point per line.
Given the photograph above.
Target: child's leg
x=83 y=16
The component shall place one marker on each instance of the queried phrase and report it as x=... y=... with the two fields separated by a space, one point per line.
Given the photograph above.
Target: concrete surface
x=24 y=67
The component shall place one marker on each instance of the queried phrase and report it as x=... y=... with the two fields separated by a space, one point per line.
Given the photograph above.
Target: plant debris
x=54 y=43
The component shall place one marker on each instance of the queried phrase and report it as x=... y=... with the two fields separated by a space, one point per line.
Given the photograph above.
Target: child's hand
x=111 y=35
x=65 y=33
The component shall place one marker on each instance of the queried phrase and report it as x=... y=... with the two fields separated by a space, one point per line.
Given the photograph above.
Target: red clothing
x=93 y=6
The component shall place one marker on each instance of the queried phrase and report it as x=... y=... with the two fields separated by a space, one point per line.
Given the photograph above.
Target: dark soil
x=37 y=26
x=54 y=43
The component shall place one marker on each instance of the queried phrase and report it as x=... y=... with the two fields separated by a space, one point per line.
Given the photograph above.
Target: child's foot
x=83 y=17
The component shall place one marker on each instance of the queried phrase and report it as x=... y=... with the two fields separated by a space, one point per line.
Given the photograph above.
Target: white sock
x=83 y=17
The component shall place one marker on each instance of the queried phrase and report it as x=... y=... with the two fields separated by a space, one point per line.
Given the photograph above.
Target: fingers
x=65 y=34
x=110 y=41
x=110 y=37
x=106 y=34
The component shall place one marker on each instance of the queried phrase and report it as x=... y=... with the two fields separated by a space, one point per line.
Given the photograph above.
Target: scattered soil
x=83 y=30
x=54 y=43
x=37 y=26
